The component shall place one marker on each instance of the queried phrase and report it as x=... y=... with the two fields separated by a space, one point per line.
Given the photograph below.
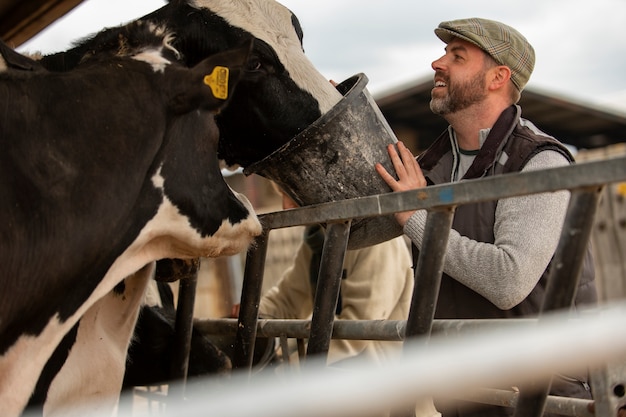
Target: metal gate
x=585 y=181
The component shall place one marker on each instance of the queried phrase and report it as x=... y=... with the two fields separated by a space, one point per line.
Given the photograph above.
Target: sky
x=579 y=44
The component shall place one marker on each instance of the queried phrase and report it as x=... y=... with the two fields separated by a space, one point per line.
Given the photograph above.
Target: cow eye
x=254 y=64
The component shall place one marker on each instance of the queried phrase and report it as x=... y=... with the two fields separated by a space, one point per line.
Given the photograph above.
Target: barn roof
x=406 y=108
x=20 y=20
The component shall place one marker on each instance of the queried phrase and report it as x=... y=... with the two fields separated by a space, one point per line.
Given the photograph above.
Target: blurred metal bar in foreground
x=447 y=367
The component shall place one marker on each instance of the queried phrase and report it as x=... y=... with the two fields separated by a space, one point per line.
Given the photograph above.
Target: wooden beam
x=24 y=19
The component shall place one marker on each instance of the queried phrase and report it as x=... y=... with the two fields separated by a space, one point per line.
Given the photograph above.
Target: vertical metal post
x=569 y=256
x=428 y=272
x=250 y=297
x=182 y=334
x=563 y=281
x=328 y=285
x=609 y=392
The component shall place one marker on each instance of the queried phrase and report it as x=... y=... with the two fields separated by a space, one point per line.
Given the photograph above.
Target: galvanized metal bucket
x=334 y=158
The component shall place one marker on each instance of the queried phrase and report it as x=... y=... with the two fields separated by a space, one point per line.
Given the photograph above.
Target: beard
x=460 y=96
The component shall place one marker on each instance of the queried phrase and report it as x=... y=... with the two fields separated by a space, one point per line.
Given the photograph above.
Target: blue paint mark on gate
x=446 y=195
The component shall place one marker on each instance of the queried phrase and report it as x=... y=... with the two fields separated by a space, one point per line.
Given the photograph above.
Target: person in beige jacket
x=377 y=284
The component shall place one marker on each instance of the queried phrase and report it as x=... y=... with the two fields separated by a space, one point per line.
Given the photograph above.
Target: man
x=499 y=252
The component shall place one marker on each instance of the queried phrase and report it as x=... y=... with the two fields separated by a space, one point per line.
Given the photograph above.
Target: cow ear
x=15 y=60
x=226 y=69
x=213 y=80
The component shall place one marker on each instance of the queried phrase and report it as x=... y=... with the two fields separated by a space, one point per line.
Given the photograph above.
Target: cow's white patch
x=157 y=179
x=92 y=375
x=153 y=57
x=151 y=297
x=178 y=235
x=21 y=365
x=170 y=235
x=271 y=22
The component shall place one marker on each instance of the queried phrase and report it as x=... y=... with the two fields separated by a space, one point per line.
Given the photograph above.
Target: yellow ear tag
x=218 y=81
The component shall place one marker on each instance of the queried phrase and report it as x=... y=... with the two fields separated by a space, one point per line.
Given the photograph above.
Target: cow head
x=286 y=93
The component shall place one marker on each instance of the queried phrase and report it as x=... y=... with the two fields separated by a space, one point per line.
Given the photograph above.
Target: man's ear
x=500 y=76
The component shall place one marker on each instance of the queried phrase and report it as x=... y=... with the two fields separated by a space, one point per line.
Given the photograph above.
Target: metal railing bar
x=563 y=281
x=557 y=405
x=427 y=279
x=570 y=253
x=389 y=330
x=328 y=286
x=182 y=333
x=428 y=272
x=472 y=191
x=250 y=298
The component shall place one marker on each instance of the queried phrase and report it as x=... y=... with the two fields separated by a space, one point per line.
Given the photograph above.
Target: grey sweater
x=519 y=253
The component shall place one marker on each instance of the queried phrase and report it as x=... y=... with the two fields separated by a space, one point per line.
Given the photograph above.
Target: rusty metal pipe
x=250 y=297
x=563 y=281
x=328 y=285
x=391 y=330
x=182 y=331
x=428 y=272
x=557 y=405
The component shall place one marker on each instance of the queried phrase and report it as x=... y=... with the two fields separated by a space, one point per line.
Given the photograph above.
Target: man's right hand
x=410 y=176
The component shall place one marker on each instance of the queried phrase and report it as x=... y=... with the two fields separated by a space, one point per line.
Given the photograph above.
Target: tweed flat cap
x=505 y=45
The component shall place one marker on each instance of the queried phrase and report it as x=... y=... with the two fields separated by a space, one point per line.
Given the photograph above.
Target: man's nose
x=437 y=63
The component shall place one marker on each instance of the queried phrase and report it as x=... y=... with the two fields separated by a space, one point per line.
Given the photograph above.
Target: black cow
x=150 y=353
x=105 y=169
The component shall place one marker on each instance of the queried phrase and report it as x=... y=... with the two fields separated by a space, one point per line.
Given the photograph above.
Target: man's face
x=460 y=78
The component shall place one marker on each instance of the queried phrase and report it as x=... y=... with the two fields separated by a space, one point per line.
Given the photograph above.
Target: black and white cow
x=105 y=169
x=265 y=112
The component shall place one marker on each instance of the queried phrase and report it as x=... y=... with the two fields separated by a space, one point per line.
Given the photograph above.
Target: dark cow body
x=104 y=169
x=150 y=353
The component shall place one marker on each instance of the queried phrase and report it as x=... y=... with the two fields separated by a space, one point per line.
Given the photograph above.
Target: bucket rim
x=294 y=143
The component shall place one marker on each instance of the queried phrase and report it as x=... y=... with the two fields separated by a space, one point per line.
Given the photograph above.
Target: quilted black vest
x=507 y=148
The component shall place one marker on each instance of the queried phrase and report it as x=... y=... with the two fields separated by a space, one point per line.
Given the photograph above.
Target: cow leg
x=91 y=378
